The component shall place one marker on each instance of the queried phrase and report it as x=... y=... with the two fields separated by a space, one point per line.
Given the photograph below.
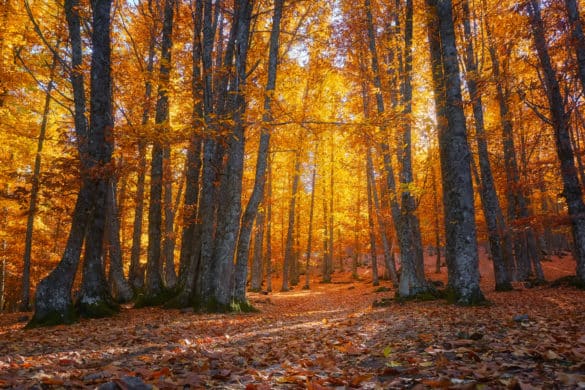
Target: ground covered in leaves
x=328 y=337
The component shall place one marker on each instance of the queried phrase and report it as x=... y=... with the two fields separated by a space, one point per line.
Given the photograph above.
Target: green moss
x=427 y=295
x=568 y=281
x=453 y=298
x=243 y=307
x=382 y=289
x=54 y=317
x=162 y=298
x=100 y=309
x=504 y=287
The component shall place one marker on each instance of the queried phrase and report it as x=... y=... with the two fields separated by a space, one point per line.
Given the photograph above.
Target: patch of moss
x=427 y=295
x=99 y=309
x=383 y=302
x=52 y=318
x=504 y=287
x=568 y=281
x=243 y=307
x=382 y=289
x=453 y=298
x=146 y=300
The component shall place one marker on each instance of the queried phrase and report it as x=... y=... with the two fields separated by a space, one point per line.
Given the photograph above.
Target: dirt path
x=327 y=337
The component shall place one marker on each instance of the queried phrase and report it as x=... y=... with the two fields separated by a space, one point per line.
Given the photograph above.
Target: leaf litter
x=328 y=337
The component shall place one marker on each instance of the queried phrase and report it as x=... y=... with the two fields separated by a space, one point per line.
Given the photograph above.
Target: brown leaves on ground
x=326 y=337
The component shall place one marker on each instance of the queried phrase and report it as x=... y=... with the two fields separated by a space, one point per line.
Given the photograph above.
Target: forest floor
x=328 y=337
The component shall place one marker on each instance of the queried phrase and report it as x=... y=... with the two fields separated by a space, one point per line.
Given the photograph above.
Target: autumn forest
x=253 y=159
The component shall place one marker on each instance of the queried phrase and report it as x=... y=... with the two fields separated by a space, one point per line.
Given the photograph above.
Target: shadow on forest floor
x=325 y=337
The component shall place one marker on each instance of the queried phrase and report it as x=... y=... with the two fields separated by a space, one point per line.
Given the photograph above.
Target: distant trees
x=226 y=160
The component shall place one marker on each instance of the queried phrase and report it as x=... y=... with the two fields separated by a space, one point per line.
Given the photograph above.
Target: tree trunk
x=489 y=197
x=405 y=222
x=288 y=252
x=154 y=280
x=571 y=187
x=437 y=224
x=191 y=236
x=268 y=200
x=53 y=303
x=310 y=234
x=34 y=193
x=578 y=38
x=388 y=260
x=461 y=245
x=261 y=162
x=95 y=299
x=120 y=288
x=256 y=279
x=412 y=277
x=136 y=273
x=168 y=253
x=372 y=230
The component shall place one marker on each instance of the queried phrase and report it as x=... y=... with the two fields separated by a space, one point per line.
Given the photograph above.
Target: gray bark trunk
x=461 y=245
x=95 y=299
x=154 y=280
x=191 y=236
x=578 y=38
x=382 y=228
x=168 y=252
x=310 y=234
x=251 y=210
x=136 y=274
x=268 y=200
x=119 y=286
x=489 y=197
x=257 y=263
x=372 y=230
x=571 y=186
x=229 y=213
x=288 y=252
x=405 y=222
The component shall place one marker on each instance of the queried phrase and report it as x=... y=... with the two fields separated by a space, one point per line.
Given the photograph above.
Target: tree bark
x=406 y=224
x=288 y=252
x=571 y=187
x=461 y=245
x=310 y=234
x=578 y=38
x=257 y=263
x=120 y=288
x=489 y=197
x=95 y=299
x=154 y=281
x=268 y=200
x=372 y=230
x=136 y=274
x=231 y=185
x=53 y=303
x=261 y=161
x=382 y=228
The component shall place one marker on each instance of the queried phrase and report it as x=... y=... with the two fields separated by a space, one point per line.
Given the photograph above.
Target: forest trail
x=328 y=337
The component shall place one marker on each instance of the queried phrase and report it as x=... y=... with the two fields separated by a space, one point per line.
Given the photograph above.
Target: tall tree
x=460 y=234
x=489 y=197
x=154 y=280
x=53 y=303
x=571 y=187
x=262 y=159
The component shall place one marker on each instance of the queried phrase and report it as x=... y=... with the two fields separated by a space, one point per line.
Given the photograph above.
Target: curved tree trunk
x=373 y=252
